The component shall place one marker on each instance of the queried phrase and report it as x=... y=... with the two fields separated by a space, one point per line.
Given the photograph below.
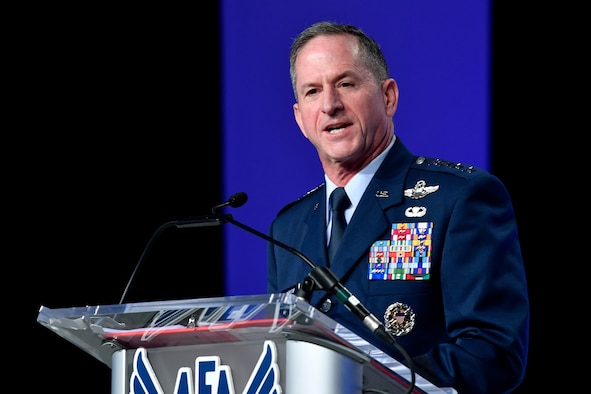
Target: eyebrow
x=346 y=74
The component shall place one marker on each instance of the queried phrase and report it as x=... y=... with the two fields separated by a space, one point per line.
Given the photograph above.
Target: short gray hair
x=371 y=53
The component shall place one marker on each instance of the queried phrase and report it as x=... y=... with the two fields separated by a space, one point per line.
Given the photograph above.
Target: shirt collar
x=357 y=185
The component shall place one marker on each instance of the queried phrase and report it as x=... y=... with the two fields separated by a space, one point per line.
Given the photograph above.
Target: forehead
x=328 y=48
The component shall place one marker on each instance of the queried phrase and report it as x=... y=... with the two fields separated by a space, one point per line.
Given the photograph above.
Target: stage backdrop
x=438 y=52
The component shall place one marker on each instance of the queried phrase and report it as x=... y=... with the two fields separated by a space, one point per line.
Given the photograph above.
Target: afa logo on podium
x=211 y=377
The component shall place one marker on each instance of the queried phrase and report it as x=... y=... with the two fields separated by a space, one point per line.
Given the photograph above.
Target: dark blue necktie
x=339 y=202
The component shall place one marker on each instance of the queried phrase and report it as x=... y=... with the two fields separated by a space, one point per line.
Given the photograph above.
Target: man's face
x=341 y=109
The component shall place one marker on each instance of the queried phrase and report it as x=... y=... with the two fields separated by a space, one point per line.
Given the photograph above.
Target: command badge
x=399 y=319
x=420 y=190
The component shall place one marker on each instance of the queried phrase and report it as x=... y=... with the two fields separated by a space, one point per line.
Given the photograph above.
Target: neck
x=341 y=172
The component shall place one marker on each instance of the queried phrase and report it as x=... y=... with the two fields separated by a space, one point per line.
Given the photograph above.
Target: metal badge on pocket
x=399 y=319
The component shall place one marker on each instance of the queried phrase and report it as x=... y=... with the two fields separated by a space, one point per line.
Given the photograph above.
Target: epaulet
x=309 y=193
x=312 y=191
x=423 y=161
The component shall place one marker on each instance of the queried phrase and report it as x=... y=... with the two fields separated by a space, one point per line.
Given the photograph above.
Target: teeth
x=336 y=131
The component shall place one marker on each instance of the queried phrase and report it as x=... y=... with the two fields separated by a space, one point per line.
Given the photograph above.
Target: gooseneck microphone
x=235 y=201
x=321 y=278
x=198 y=221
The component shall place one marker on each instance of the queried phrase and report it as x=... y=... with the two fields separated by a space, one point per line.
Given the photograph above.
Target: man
x=430 y=245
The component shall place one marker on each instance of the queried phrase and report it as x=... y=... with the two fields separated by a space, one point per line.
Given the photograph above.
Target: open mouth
x=336 y=129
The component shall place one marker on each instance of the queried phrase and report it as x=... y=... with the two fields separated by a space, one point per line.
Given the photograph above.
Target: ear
x=390 y=91
x=298 y=118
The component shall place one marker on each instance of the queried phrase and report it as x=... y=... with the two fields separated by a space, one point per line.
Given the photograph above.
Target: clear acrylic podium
x=272 y=343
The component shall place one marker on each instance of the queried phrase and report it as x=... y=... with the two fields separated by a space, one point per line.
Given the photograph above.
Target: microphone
x=236 y=200
x=322 y=278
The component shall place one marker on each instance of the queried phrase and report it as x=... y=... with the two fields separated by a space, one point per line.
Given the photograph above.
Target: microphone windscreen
x=238 y=199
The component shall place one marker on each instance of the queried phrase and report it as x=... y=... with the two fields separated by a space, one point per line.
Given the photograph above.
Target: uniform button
x=326 y=305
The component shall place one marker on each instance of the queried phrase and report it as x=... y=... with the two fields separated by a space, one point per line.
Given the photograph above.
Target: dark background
x=117 y=130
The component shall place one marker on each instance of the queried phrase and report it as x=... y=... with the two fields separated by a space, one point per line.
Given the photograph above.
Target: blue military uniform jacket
x=465 y=282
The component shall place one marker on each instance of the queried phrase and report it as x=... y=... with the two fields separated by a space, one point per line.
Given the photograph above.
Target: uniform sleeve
x=484 y=293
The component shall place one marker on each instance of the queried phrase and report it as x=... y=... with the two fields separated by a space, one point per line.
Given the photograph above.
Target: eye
x=311 y=92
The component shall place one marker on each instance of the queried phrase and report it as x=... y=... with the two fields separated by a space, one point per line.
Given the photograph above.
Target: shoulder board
x=312 y=191
x=422 y=161
x=309 y=193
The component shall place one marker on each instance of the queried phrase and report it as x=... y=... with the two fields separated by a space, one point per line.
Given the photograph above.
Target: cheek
x=307 y=120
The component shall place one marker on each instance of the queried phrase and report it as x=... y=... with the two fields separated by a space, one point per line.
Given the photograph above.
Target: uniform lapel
x=313 y=243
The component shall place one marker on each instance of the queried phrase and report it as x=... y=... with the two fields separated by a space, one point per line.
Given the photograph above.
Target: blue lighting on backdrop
x=438 y=52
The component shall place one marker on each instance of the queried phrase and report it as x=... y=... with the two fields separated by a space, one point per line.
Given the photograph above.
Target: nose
x=331 y=101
